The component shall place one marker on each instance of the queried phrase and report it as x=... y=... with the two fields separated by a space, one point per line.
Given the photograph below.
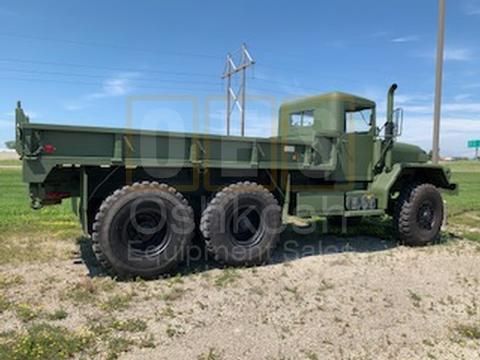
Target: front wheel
x=419 y=215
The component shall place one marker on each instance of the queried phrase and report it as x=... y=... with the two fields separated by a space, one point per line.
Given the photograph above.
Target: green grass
x=42 y=341
x=59 y=314
x=463 y=166
x=464 y=209
x=10 y=162
x=17 y=216
x=130 y=325
x=27 y=312
x=468 y=198
x=211 y=354
x=469 y=331
x=227 y=277
x=4 y=304
x=27 y=235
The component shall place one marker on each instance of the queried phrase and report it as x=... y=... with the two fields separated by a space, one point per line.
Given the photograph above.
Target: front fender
x=387 y=183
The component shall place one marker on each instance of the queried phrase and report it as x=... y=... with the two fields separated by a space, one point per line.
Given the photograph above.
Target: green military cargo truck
x=142 y=194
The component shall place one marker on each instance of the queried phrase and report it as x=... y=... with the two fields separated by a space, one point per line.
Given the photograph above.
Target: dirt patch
x=372 y=300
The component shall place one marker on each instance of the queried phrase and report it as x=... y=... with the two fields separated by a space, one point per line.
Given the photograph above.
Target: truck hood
x=402 y=153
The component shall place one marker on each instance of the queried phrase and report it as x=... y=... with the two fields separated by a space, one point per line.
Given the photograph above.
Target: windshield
x=358 y=121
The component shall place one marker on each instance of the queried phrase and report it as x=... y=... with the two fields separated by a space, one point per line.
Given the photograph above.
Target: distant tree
x=10 y=144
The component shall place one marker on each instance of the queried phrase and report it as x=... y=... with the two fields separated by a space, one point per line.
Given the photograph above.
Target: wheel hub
x=426 y=216
x=146 y=232
x=245 y=224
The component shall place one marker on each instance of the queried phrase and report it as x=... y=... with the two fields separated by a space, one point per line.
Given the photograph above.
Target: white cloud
x=118 y=85
x=472 y=7
x=462 y=107
x=77 y=105
x=460 y=122
x=458 y=54
x=455 y=132
x=461 y=97
x=259 y=123
x=472 y=86
x=405 y=39
x=418 y=109
x=457 y=107
x=451 y=54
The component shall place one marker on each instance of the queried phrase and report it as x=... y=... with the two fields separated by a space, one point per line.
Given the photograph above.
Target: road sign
x=474 y=144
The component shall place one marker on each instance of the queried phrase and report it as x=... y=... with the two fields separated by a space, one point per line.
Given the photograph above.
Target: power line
x=284 y=83
x=141 y=70
x=131 y=69
x=102 y=67
x=288 y=68
x=149 y=50
x=150 y=79
x=109 y=45
x=153 y=80
x=94 y=83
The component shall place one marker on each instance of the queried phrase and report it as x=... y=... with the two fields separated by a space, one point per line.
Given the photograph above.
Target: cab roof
x=351 y=102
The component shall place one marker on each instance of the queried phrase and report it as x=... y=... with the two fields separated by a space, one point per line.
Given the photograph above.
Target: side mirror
x=398 y=121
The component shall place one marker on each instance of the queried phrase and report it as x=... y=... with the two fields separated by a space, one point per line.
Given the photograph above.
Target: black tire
x=241 y=224
x=419 y=215
x=143 y=230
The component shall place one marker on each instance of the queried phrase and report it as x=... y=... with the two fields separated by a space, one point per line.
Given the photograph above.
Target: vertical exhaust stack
x=390 y=126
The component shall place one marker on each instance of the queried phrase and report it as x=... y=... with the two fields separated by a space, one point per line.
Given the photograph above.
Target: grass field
x=464 y=209
x=52 y=307
x=27 y=235
x=9 y=162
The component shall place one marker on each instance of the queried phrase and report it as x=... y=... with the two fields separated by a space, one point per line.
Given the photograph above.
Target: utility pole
x=438 y=82
x=237 y=98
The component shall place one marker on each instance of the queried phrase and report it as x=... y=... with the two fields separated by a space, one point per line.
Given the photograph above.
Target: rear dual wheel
x=241 y=224
x=142 y=230
x=145 y=230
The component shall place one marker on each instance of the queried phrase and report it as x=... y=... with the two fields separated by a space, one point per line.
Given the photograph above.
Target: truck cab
x=341 y=128
x=359 y=165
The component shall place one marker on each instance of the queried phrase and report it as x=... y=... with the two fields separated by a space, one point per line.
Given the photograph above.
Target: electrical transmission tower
x=237 y=98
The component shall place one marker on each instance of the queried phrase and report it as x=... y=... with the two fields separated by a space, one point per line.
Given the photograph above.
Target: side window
x=302 y=119
x=358 y=121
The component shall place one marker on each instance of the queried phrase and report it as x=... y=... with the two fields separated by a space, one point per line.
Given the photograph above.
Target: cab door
x=355 y=147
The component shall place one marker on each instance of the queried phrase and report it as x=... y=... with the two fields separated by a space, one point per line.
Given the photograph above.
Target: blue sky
x=80 y=62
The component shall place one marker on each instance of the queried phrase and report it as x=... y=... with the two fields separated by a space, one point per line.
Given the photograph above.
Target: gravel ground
x=372 y=300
